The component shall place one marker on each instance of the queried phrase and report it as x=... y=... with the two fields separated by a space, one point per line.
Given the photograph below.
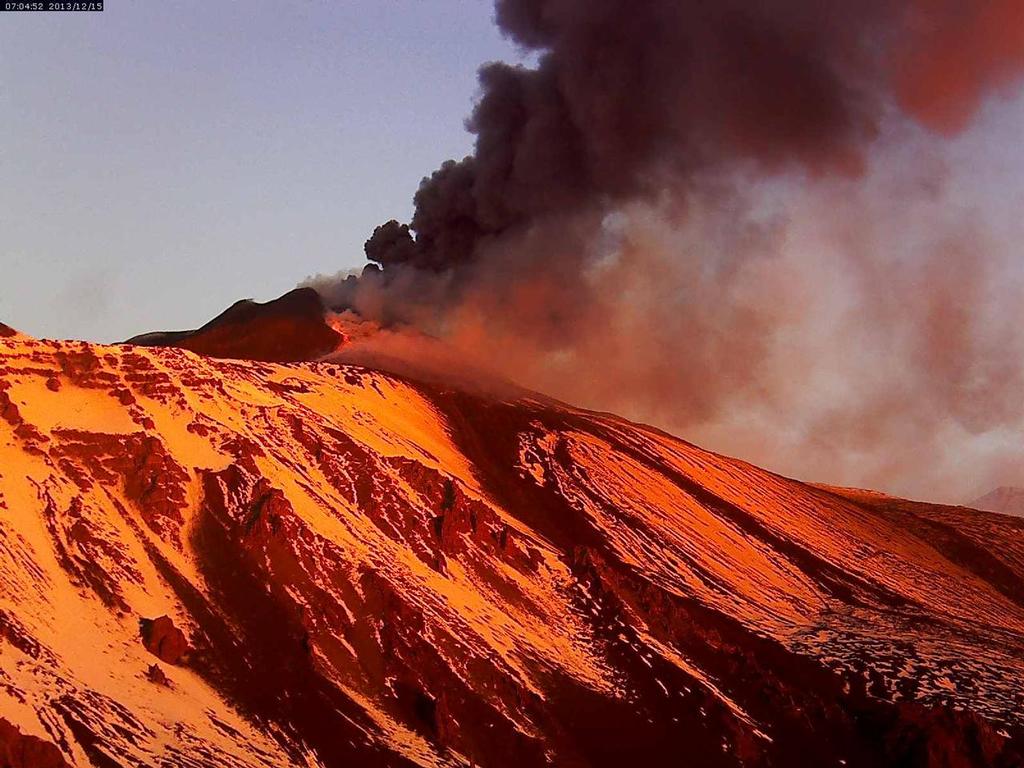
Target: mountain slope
x=211 y=562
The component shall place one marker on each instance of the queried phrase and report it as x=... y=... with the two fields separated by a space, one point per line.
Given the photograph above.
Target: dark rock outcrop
x=291 y=328
x=369 y=569
x=163 y=639
x=1007 y=499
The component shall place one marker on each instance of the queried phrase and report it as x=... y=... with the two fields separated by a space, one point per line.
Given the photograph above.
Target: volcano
x=233 y=562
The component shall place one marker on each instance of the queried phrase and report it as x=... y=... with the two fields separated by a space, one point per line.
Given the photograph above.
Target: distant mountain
x=209 y=562
x=288 y=329
x=1007 y=499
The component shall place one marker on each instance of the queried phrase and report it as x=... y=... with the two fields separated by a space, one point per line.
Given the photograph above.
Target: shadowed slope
x=1007 y=499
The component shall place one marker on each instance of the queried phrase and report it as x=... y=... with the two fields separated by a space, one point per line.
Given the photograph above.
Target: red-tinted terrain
x=288 y=329
x=210 y=562
x=1006 y=499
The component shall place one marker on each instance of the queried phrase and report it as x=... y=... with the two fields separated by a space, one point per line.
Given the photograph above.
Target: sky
x=162 y=160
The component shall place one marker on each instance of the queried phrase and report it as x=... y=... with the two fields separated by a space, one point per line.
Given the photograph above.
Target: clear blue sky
x=163 y=159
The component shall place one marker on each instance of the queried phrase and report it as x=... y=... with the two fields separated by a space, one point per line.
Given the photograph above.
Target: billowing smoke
x=735 y=219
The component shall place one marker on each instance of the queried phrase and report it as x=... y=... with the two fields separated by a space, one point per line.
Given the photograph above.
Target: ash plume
x=735 y=220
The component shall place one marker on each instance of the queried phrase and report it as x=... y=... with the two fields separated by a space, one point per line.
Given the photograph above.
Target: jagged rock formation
x=288 y=329
x=349 y=567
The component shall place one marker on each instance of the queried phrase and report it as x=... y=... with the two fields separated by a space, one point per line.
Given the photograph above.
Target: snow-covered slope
x=207 y=562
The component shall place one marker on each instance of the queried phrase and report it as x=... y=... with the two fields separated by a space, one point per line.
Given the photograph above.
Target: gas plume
x=735 y=220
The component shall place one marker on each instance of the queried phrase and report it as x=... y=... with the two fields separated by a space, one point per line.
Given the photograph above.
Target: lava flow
x=228 y=562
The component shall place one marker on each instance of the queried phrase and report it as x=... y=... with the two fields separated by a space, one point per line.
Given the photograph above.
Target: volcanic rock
x=18 y=750
x=156 y=675
x=945 y=738
x=288 y=329
x=383 y=570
